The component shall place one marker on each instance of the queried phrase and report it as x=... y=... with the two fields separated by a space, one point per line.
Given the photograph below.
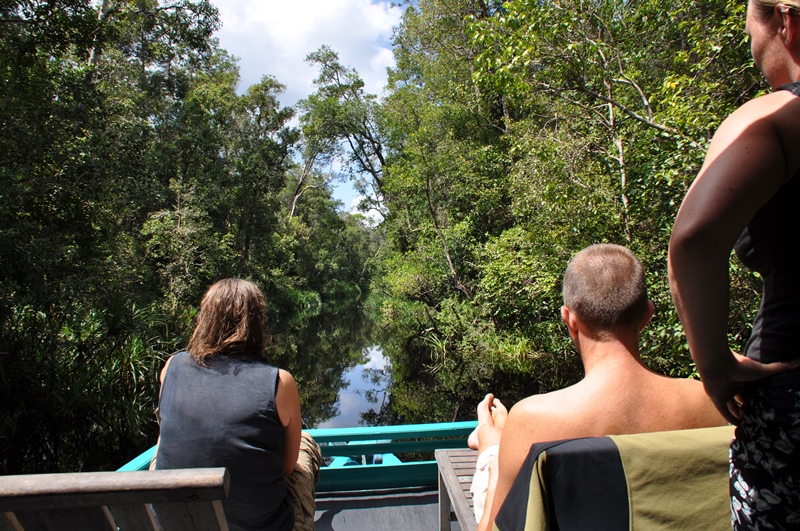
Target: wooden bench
x=456 y=468
x=168 y=500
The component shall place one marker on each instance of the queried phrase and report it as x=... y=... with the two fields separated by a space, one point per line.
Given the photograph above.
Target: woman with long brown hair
x=223 y=405
x=746 y=198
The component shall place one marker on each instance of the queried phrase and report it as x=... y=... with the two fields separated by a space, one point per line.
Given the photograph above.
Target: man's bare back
x=632 y=400
x=618 y=395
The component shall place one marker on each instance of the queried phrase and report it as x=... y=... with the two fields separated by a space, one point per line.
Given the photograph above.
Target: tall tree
x=516 y=135
x=133 y=175
x=342 y=119
x=74 y=340
x=614 y=104
x=448 y=193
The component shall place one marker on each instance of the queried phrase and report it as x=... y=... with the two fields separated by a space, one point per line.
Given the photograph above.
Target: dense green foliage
x=132 y=177
x=518 y=133
x=513 y=134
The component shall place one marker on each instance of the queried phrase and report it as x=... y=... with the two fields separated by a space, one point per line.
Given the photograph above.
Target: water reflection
x=328 y=351
x=364 y=390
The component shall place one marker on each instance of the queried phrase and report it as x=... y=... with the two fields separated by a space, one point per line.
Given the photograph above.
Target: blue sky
x=274 y=36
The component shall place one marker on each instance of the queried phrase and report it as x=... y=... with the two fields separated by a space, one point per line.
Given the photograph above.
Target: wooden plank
x=456 y=468
x=65 y=519
x=45 y=491
x=445 y=507
x=132 y=517
x=191 y=516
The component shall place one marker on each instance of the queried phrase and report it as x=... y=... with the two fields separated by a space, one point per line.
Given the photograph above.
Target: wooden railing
x=387 y=441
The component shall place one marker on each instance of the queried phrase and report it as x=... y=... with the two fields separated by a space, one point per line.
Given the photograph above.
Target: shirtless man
x=605 y=309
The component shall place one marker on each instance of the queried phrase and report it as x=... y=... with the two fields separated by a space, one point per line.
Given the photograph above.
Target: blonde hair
x=766 y=7
x=231 y=321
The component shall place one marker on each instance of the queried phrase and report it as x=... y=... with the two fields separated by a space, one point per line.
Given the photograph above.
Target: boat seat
x=456 y=468
x=647 y=481
x=168 y=500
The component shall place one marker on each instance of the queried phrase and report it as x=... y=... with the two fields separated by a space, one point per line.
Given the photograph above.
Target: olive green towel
x=677 y=479
x=672 y=480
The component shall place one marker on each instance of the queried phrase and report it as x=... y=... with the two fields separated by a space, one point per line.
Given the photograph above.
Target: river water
x=335 y=356
x=365 y=387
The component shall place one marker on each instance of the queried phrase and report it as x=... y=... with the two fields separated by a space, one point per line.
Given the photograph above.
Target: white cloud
x=273 y=37
x=375 y=359
x=351 y=402
x=372 y=215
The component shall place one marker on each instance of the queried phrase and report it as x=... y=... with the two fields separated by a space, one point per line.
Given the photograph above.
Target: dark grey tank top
x=225 y=415
x=769 y=246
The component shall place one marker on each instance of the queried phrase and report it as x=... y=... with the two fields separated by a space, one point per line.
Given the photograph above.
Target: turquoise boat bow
x=349 y=448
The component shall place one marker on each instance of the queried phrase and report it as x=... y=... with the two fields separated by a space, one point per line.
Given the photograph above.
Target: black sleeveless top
x=225 y=415
x=768 y=246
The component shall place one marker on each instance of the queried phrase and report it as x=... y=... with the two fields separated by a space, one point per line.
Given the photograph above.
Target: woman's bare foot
x=485 y=416
x=499 y=414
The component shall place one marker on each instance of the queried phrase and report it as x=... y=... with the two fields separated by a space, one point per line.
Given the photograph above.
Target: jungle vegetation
x=513 y=134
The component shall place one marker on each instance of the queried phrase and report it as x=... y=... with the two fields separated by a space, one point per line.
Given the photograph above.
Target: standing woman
x=223 y=405
x=747 y=197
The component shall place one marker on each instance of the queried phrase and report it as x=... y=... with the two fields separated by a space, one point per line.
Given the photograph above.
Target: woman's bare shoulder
x=285 y=376
x=778 y=111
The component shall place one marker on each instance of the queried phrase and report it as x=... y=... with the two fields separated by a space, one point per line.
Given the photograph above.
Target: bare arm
x=288 y=404
x=745 y=166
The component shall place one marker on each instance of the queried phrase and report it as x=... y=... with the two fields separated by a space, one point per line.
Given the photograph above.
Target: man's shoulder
x=562 y=414
x=559 y=403
x=680 y=385
x=693 y=407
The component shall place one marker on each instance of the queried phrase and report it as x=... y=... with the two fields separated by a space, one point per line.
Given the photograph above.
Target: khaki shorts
x=300 y=485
